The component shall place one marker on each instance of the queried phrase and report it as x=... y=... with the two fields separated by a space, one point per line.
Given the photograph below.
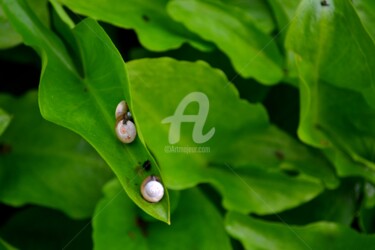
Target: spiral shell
x=125 y=131
x=121 y=110
x=152 y=190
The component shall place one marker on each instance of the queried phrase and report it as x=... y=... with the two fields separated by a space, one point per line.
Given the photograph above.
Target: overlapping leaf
x=245 y=154
x=256 y=12
x=8 y=36
x=284 y=11
x=337 y=99
x=257 y=234
x=156 y=30
x=44 y=164
x=339 y=205
x=252 y=52
x=118 y=224
x=366 y=11
x=86 y=103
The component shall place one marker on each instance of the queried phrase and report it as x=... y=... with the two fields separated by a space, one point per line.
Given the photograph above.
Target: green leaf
x=339 y=205
x=347 y=167
x=64 y=17
x=4 y=121
x=252 y=52
x=117 y=224
x=258 y=234
x=248 y=88
x=336 y=35
x=155 y=29
x=284 y=12
x=245 y=153
x=44 y=164
x=86 y=103
x=8 y=36
x=43 y=229
x=256 y=12
x=366 y=11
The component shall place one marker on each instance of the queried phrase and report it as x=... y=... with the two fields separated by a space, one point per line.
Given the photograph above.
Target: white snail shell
x=121 y=110
x=126 y=131
x=152 y=190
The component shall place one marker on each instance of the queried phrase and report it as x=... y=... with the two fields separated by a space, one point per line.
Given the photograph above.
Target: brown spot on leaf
x=145 y=18
x=138 y=170
x=318 y=127
x=324 y=143
x=142 y=226
x=5 y=148
x=279 y=155
x=131 y=235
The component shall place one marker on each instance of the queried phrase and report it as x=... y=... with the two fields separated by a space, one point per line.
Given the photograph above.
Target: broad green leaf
x=244 y=156
x=86 y=103
x=258 y=234
x=366 y=11
x=336 y=36
x=256 y=11
x=47 y=165
x=45 y=229
x=155 y=29
x=339 y=205
x=8 y=36
x=4 y=121
x=196 y=224
x=249 y=89
x=253 y=53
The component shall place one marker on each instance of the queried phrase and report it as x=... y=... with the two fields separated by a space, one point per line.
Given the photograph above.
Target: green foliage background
x=291 y=89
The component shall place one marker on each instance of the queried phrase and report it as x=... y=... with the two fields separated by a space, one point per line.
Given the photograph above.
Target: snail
x=126 y=131
x=152 y=190
x=125 y=128
x=121 y=110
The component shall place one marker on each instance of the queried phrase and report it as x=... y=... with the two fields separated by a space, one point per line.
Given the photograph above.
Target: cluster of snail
x=151 y=189
x=125 y=128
